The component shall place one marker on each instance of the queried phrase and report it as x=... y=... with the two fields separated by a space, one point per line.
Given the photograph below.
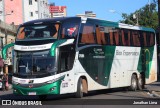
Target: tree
x=146 y=16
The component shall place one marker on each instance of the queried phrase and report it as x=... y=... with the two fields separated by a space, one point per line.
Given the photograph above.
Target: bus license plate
x=32 y=93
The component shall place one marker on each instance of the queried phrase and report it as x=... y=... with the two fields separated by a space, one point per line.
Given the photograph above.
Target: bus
x=78 y=55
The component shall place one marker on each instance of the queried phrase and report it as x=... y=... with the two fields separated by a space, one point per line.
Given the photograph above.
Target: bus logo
x=30 y=81
x=30 y=86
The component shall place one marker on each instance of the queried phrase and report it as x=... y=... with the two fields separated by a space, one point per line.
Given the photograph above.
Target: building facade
x=20 y=11
x=7 y=36
x=88 y=14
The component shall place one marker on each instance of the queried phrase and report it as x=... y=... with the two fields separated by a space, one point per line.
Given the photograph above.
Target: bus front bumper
x=31 y=89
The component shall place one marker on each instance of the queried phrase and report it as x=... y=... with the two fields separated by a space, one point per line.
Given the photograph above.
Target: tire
x=134 y=83
x=140 y=82
x=79 y=93
x=42 y=97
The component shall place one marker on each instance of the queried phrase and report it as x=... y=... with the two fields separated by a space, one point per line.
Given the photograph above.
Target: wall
x=30 y=8
x=13 y=7
x=2 y=10
x=43 y=9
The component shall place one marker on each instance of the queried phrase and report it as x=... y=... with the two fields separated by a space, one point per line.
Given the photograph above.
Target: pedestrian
x=4 y=81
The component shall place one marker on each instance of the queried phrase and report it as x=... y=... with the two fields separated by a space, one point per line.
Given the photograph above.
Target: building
x=89 y=14
x=20 y=11
x=57 y=11
x=7 y=35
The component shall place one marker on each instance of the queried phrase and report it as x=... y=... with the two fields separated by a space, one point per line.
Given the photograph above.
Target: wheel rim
x=134 y=83
x=81 y=88
x=140 y=82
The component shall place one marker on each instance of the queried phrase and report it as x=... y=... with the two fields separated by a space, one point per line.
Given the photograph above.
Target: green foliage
x=147 y=16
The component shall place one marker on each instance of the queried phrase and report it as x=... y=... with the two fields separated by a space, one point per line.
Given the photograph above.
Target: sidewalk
x=154 y=88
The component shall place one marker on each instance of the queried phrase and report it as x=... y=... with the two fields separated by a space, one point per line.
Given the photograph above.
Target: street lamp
x=136 y=16
x=114 y=11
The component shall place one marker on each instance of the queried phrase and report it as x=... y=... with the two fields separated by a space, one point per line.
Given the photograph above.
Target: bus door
x=66 y=61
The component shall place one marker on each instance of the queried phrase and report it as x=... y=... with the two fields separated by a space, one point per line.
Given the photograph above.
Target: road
x=102 y=97
x=120 y=93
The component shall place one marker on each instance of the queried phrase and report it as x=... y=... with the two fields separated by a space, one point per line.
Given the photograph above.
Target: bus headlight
x=16 y=83
x=52 y=81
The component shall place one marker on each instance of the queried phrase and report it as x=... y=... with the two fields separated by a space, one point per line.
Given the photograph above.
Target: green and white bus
x=77 y=55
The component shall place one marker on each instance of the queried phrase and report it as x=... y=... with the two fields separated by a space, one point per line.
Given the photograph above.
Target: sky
x=101 y=7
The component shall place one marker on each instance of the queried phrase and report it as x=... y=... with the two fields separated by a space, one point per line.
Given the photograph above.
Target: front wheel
x=134 y=81
x=79 y=93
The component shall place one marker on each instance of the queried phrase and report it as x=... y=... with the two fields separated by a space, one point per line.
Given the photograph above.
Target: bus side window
x=129 y=37
x=88 y=35
x=116 y=37
x=107 y=38
x=152 y=39
x=103 y=38
x=111 y=37
x=144 y=39
x=100 y=35
x=21 y=33
x=136 y=38
x=57 y=28
x=124 y=42
x=126 y=37
x=66 y=61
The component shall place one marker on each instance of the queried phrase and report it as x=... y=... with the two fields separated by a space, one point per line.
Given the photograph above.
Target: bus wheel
x=42 y=97
x=79 y=93
x=134 y=81
x=140 y=82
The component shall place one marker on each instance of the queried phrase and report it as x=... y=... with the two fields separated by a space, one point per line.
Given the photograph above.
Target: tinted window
x=38 y=31
x=87 y=34
x=69 y=30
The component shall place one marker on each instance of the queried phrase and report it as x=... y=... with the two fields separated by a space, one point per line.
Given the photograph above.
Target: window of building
x=35 y=0
x=30 y=2
x=31 y=14
x=1 y=12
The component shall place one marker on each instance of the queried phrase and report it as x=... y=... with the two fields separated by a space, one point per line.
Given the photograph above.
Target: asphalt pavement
x=154 y=88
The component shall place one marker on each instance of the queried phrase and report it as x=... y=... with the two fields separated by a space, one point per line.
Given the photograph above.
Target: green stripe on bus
x=109 y=54
x=145 y=60
x=97 y=62
x=55 y=45
x=103 y=22
x=43 y=90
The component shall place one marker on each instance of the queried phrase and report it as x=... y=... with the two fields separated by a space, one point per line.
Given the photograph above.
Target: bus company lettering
x=125 y=53
x=32 y=47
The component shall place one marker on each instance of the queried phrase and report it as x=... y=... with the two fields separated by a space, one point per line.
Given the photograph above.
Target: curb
x=155 y=94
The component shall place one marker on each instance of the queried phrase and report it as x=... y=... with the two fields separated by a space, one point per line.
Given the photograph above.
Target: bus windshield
x=38 y=31
x=34 y=63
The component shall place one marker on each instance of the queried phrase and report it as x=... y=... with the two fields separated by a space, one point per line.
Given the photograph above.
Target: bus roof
x=93 y=20
x=49 y=20
x=119 y=25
